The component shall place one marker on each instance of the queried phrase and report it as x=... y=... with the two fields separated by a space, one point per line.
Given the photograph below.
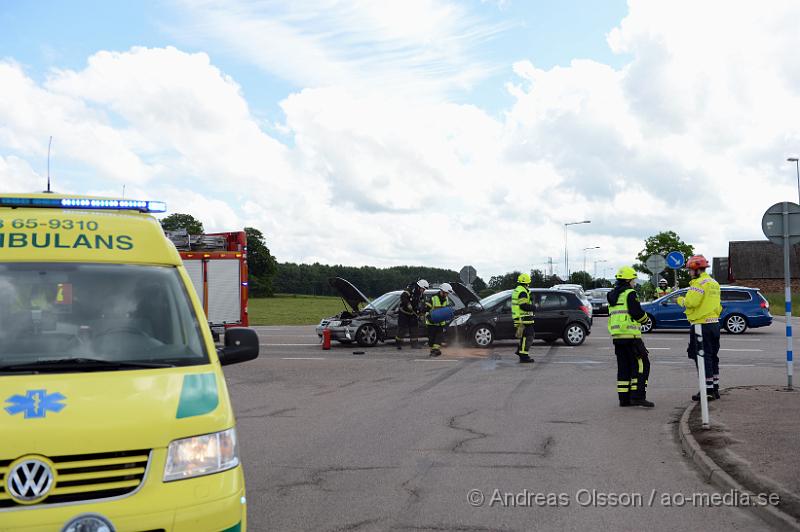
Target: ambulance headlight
x=461 y=320
x=201 y=455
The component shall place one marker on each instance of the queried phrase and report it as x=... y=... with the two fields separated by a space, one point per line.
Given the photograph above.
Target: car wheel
x=367 y=335
x=736 y=324
x=648 y=326
x=482 y=336
x=574 y=334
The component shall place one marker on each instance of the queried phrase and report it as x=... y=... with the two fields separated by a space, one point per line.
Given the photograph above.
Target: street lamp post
x=796 y=162
x=595 y=266
x=584 y=256
x=566 y=249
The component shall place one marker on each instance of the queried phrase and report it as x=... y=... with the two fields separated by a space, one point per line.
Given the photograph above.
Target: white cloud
x=690 y=136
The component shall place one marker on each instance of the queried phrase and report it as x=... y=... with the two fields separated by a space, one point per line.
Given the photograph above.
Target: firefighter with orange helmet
x=703 y=306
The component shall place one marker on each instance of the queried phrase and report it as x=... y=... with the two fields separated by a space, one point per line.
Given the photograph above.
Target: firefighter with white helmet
x=436 y=329
x=625 y=316
x=663 y=289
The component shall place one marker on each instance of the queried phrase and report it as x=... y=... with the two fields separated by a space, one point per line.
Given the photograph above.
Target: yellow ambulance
x=114 y=413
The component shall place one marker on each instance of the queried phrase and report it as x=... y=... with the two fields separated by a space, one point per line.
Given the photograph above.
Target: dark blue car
x=742 y=308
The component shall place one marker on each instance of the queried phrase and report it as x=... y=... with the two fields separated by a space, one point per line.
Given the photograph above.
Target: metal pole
x=797 y=165
x=566 y=254
x=701 y=375
x=787 y=279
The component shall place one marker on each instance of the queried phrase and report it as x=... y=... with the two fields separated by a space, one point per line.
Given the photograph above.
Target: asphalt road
x=392 y=440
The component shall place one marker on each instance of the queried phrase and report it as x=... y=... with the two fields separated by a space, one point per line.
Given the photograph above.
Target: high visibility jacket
x=662 y=293
x=702 y=301
x=436 y=302
x=620 y=323
x=521 y=306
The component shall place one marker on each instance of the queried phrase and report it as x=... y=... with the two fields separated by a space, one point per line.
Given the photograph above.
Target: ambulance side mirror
x=241 y=345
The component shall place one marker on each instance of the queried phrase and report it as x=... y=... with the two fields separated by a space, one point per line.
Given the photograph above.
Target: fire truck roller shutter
x=195 y=270
x=224 y=291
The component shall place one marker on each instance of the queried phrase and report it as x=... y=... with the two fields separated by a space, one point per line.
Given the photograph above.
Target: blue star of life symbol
x=35 y=403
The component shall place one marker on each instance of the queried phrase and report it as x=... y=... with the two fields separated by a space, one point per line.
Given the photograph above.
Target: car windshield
x=99 y=312
x=494 y=299
x=599 y=294
x=383 y=303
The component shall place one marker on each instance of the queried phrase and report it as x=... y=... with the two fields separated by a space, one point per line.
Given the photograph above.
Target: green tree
x=581 y=278
x=504 y=282
x=662 y=244
x=178 y=221
x=479 y=285
x=261 y=265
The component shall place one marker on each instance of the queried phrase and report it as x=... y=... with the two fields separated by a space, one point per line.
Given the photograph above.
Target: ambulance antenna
x=123 y=191
x=48 y=165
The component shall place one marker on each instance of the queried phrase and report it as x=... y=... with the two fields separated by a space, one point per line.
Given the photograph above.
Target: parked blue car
x=742 y=308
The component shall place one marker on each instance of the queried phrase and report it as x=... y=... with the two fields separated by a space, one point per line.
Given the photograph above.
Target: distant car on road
x=558 y=314
x=368 y=323
x=742 y=308
x=578 y=291
x=599 y=299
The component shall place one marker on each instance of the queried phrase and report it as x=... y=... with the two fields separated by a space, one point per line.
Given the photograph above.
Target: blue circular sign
x=675 y=260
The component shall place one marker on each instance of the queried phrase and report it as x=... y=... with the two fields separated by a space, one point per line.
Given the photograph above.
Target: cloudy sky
x=431 y=132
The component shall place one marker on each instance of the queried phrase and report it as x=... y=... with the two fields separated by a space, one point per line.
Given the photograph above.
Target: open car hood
x=351 y=295
x=465 y=294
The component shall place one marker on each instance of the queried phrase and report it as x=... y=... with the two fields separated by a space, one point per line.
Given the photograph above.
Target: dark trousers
x=407 y=323
x=710 y=352
x=525 y=341
x=435 y=334
x=633 y=369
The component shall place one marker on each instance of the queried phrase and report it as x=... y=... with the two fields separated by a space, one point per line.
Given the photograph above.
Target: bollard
x=326 y=339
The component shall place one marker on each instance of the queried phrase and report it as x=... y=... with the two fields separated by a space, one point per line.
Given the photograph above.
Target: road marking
x=744 y=350
x=437 y=360
x=284 y=345
x=659 y=349
x=737 y=365
x=302 y=358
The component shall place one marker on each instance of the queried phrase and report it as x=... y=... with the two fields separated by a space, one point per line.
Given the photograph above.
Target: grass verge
x=291 y=309
x=777 y=303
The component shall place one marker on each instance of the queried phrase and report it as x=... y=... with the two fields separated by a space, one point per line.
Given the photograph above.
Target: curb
x=715 y=475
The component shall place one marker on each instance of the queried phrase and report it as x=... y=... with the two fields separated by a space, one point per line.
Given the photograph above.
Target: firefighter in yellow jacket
x=522 y=314
x=436 y=330
x=703 y=306
x=625 y=315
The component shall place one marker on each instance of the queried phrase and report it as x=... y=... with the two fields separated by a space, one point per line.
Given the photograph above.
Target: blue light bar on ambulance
x=86 y=204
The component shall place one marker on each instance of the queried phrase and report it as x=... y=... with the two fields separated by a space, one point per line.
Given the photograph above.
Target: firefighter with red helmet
x=703 y=306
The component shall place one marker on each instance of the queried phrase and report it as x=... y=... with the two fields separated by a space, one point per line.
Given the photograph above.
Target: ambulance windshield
x=98 y=312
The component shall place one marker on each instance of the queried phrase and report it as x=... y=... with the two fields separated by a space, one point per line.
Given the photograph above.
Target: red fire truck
x=217 y=265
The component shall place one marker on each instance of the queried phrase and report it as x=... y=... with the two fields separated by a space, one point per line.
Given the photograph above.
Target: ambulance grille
x=87 y=477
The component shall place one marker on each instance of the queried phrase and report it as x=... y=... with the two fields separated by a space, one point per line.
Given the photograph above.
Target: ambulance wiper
x=82 y=364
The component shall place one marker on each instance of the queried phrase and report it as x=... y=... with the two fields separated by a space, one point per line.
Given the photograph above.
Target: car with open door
x=369 y=322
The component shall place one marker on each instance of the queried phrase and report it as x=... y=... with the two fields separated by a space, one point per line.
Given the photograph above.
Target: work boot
x=525 y=359
x=399 y=346
x=435 y=353
x=624 y=399
x=716 y=391
x=709 y=396
x=641 y=401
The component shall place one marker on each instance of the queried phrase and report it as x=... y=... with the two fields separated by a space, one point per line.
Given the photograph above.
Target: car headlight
x=334 y=323
x=461 y=320
x=201 y=455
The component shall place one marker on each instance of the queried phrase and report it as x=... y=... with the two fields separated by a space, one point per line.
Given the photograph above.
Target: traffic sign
x=468 y=275
x=656 y=263
x=675 y=260
x=772 y=223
